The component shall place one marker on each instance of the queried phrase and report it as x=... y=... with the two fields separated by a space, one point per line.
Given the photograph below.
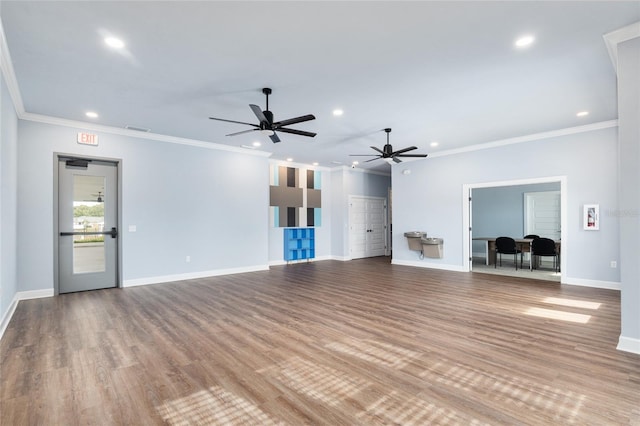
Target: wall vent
x=138 y=129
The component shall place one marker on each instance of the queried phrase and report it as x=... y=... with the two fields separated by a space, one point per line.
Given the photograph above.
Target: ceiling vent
x=137 y=129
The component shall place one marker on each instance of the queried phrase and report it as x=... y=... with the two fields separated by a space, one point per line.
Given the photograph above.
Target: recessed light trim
x=256 y=144
x=337 y=112
x=91 y=114
x=355 y=163
x=315 y=163
x=582 y=114
x=434 y=144
x=114 y=42
x=289 y=159
x=524 y=41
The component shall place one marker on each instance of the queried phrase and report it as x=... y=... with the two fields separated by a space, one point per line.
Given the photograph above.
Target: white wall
x=185 y=200
x=8 y=201
x=629 y=209
x=430 y=198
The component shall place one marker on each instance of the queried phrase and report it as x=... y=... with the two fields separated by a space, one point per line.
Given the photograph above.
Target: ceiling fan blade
x=397 y=160
x=244 y=131
x=373 y=159
x=412 y=155
x=290 y=121
x=378 y=149
x=274 y=138
x=233 y=121
x=297 y=132
x=400 y=151
x=363 y=155
x=258 y=112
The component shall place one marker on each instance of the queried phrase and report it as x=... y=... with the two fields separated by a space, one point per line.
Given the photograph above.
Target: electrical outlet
x=614 y=264
x=188 y=259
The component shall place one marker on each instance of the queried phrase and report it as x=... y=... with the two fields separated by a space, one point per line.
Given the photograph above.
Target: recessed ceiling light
x=338 y=112
x=434 y=143
x=256 y=144
x=525 y=41
x=355 y=162
x=116 y=43
x=582 y=114
x=91 y=114
x=315 y=163
x=289 y=159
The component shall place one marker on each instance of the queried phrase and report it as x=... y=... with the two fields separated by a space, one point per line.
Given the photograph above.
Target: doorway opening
x=505 y=208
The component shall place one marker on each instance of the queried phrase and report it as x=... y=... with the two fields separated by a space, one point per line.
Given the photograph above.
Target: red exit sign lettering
x=87 y=138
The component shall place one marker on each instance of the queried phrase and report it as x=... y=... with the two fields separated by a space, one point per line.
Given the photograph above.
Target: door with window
x=87 y=224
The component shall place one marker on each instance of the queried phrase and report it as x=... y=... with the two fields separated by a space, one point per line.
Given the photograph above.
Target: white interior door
x=542 y=214
x=87 y=224
x=367 y=227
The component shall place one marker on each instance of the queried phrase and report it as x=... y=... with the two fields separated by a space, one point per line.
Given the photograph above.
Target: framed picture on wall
x=591 y=217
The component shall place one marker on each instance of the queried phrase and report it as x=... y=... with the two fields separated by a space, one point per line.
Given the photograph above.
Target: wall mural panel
x=295 y=197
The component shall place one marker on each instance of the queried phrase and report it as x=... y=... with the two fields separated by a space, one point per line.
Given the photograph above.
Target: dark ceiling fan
x=267 y=125
x=388 y=152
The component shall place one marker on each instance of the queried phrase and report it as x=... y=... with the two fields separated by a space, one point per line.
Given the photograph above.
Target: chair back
x=543 y=247
x=506 y=245
x=531 y=236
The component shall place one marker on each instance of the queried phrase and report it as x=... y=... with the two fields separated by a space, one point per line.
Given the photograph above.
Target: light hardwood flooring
x=331 y=343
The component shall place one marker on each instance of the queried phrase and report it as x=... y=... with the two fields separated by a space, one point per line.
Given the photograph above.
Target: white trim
x=466 y=220
x=583 y=282
x=6 y=65
x=284 y=262
x=8 y=315
x=21 y=295
x=428 y=265
x=137 y=134
x=618 y=36
x=629 y=344
x=357 y=169
x=529 y=138
x=192 y=275
x=285 y=163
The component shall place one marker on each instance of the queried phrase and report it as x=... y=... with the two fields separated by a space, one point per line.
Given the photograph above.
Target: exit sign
x=87 y=138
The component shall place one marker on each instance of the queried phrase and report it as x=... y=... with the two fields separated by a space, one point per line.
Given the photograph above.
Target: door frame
x=56 y=232
x=467 y=232
x=385 y=220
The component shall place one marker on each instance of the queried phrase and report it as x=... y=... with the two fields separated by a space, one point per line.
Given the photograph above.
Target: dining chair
x=507 y=245
x=545 y=247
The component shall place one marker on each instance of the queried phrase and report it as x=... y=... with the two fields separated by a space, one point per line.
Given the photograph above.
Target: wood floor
x=332 y=343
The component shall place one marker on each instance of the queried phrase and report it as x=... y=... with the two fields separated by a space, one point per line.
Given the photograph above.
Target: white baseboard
x=192 y=275
x=610 y=285
x=21 y=295
x=430 y=265
x=629 y=344
x=284 y=262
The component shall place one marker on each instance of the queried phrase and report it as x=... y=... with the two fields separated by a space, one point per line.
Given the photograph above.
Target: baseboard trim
x=21 y=295
x=609 y=285
x=284 y=262
x=629 y=344
x=429 y=265
x=192 y=275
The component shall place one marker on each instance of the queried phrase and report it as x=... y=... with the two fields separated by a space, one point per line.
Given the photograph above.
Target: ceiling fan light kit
x=266 y=124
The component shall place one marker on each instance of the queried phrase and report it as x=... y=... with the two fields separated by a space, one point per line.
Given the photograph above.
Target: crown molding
x=528 y=138
x=6 y=65
x=137 y=134
x=618 y=36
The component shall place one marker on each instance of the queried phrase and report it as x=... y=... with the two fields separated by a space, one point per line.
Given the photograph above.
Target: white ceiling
x=432 y=71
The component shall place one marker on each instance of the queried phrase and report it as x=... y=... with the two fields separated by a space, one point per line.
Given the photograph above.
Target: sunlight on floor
x=397 y=409
x=213 y=406
x=319 y=382
x=558 y=315
x=521 y=393
x=376 y=352
x=572 y=303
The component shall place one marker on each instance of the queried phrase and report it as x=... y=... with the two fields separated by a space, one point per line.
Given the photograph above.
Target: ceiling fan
x=388 y=152
x=267 y=125
x=100 y=199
